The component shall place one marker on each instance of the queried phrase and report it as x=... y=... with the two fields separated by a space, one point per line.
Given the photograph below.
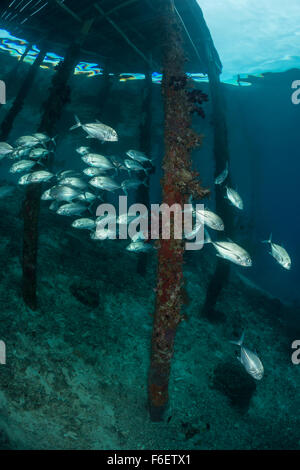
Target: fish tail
x=268 y=241
x=240 y=341
x=78 y=123
x=207 y=238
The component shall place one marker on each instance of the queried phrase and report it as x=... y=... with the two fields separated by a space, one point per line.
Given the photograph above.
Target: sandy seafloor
x=76 y=375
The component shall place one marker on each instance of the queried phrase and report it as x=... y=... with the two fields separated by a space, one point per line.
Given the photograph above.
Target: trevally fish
x=64 y=193
x=93 y=171
x=126 y=218
x=230 y=251
x=46 y=196
x=97 y=130
x=87 y=196
x=138 y=156
x=72 y=208
x=210 y=219
x=280 y=254
x=222 y=177
x=22 y=165
x=73 y=181
x=19 y=152
x=27 y=141
x=117 y=162
x=98 y=161
x=43 y=138
x=6 y=191
x=132 y=184
x=234 y=198
x=132 y=165
x=105 y=183
x=67 y=173
x=86 y=224
x=139 y=247
x=5 y=149
x=38 y=152
x=40 y=176
x=83 y=150
x=250 y=360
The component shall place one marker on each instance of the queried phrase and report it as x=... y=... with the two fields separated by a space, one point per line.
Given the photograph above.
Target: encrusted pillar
x=178 y=183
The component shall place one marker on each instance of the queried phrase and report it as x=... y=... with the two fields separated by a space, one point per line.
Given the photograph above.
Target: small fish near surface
x=280 y=254
x=234 y=198
x=104 y=182
x=97 y=130
x=41 y=176
x=231 y=251
x=222 y=177
x=250 y=360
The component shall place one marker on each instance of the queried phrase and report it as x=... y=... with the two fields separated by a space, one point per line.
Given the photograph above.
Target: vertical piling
x=145 y=146
x=178 y=183
x=221 y=157
x=59 y=96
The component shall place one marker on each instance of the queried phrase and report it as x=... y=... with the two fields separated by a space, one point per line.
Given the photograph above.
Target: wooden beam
x=69 y=11
x=117 y=28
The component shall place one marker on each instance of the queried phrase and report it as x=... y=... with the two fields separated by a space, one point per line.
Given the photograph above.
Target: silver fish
x=280 y=254
x=73 y=181
x=118 y=162
x=86 y=224
x=64 y=193
x=132 y=165
x=73 y=208
x=138 y=156
x=222 y=177
x=22 y=165
x=250 y=360
x=83 y=150
x=27 y=141
x=98 y=161
x=93 y=171
x=105 y=183
x=46 y=196
x=68 y=173
x=97 y=130
x=126 y=219
x=40 y=176
x=19 y=152
x=43 y=138
x=5 y=149
x=210 y=219
x=87 y=197
x=234 y=198
x=231 y=251
x=38 y=152
x=139 y=247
